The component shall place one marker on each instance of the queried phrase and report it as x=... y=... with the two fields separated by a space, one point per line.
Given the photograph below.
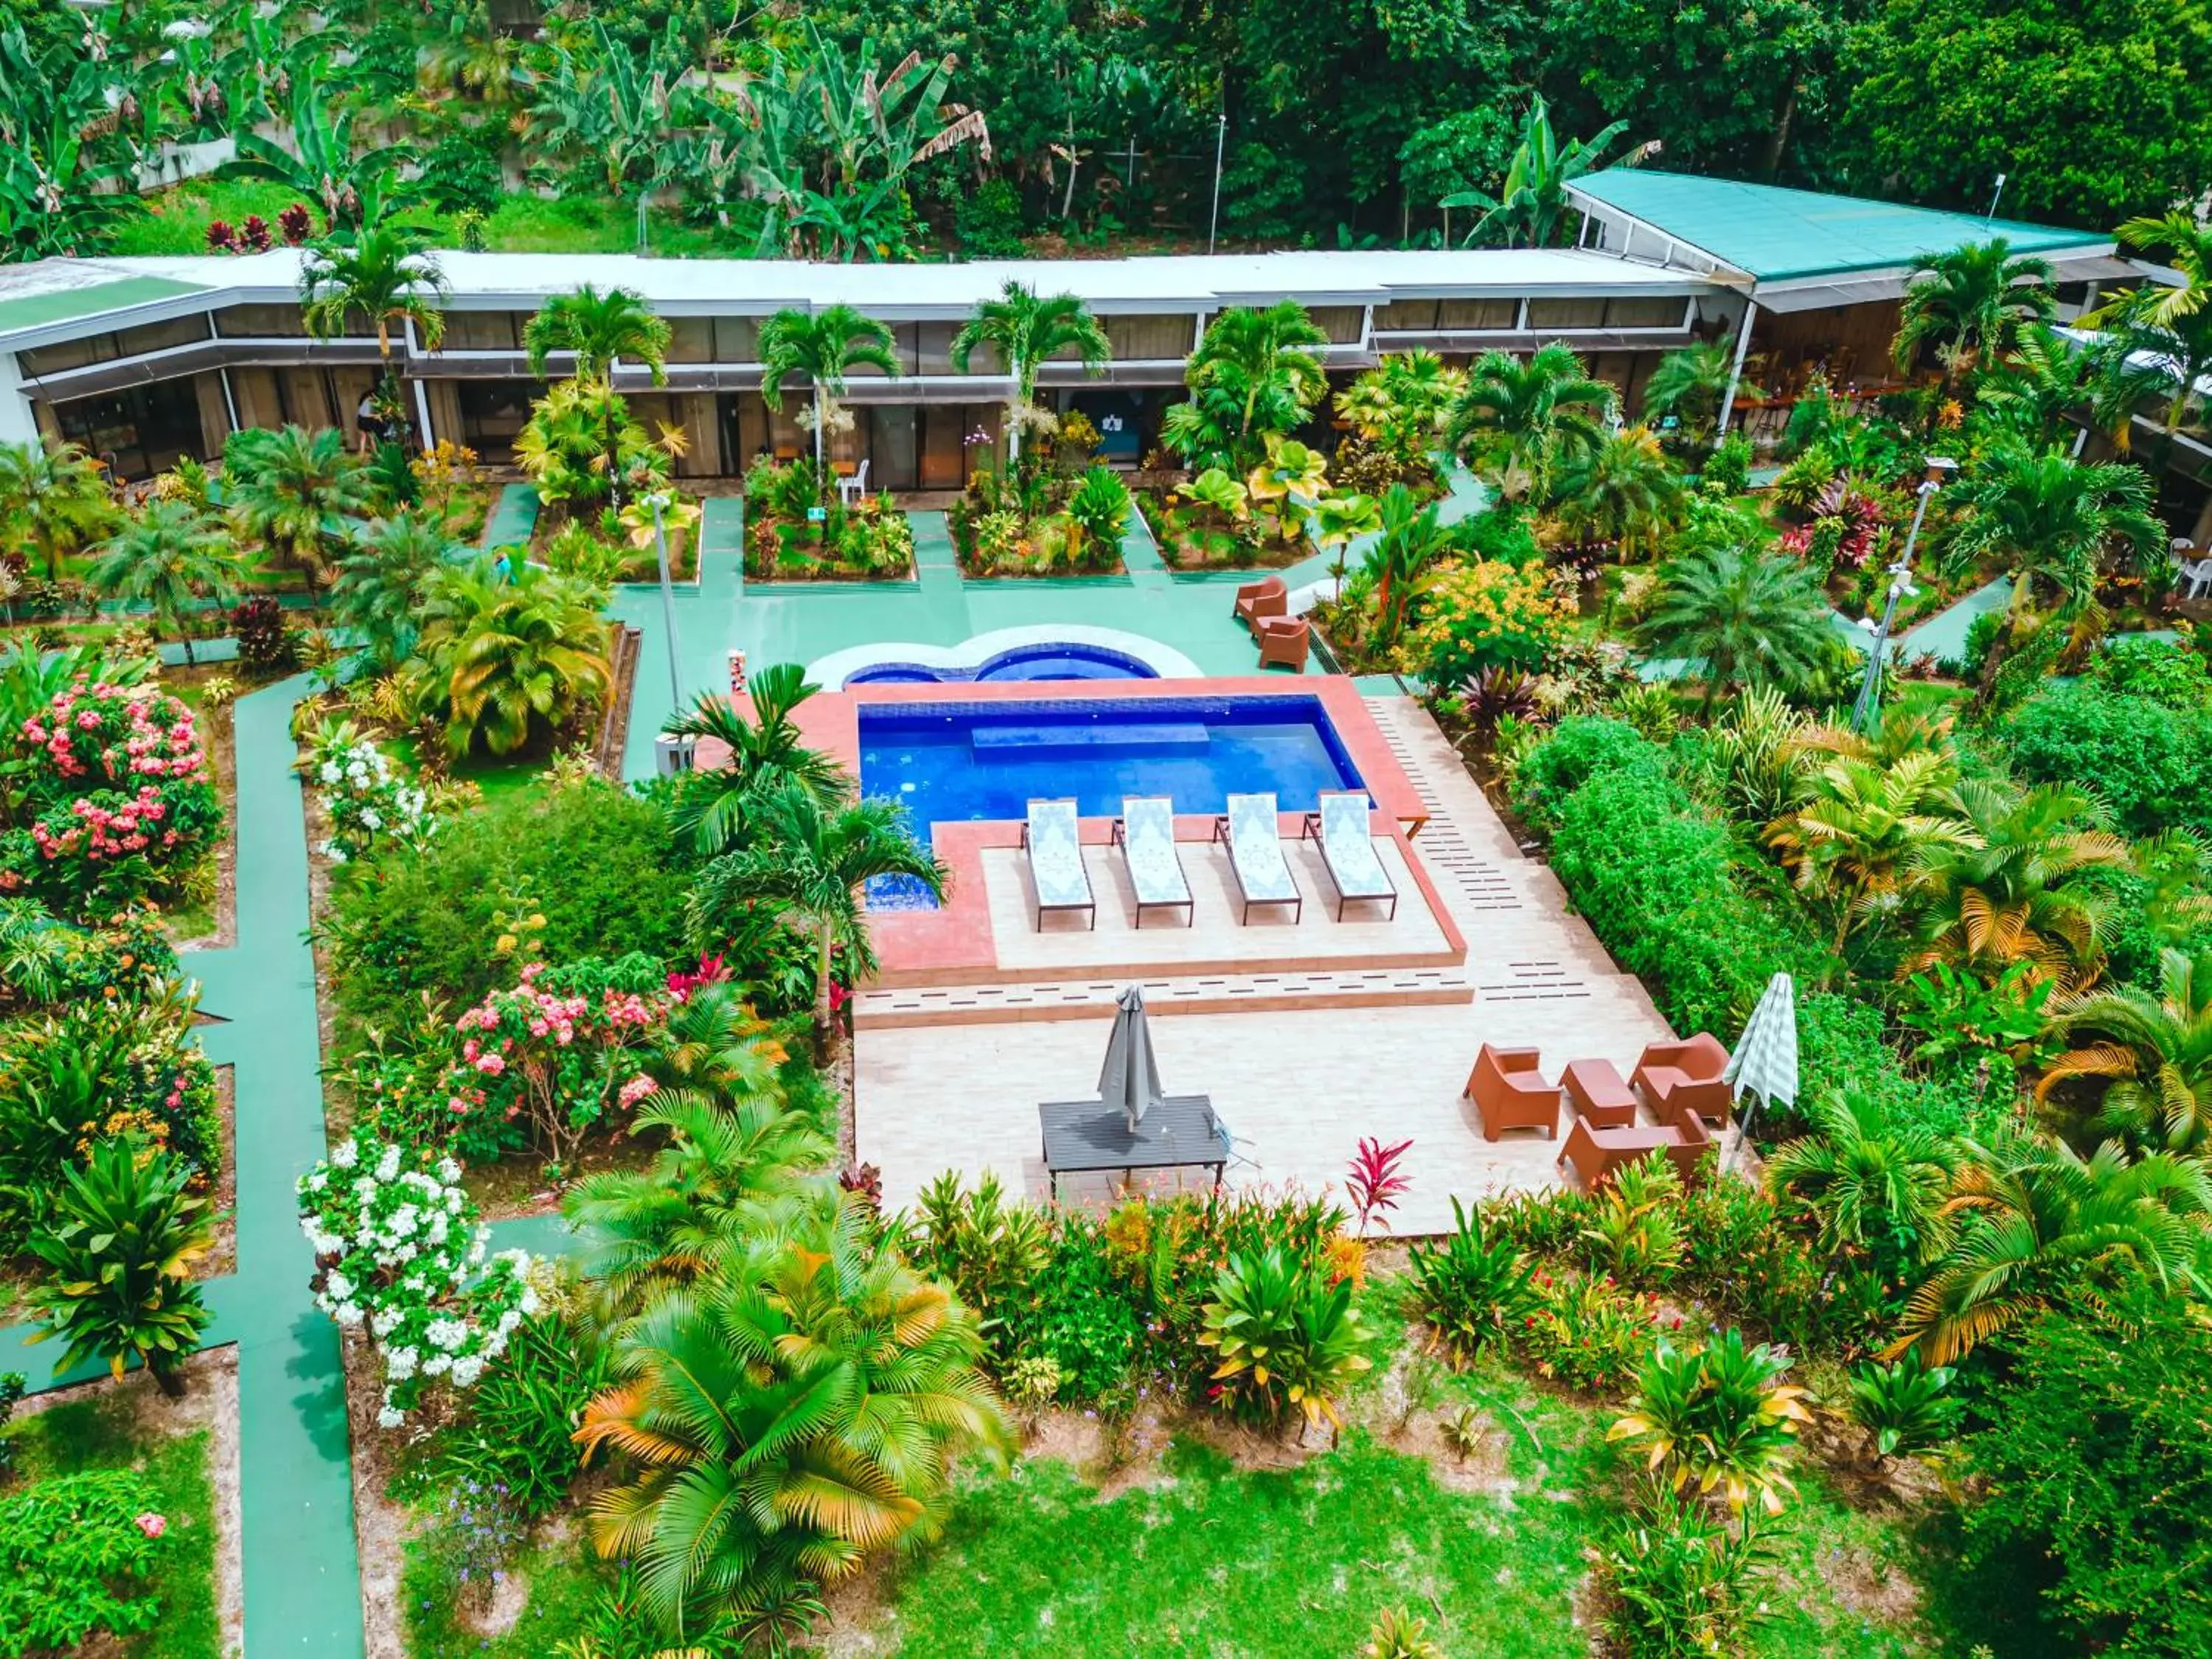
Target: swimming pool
x=956 y=762
x=1068 y=661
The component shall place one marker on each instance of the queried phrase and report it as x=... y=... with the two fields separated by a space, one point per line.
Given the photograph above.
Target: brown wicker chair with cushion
x=1268 y=597
x=1597 y=1153
x=1510 y=1093
x=1685 y=1076
x=1285 y=640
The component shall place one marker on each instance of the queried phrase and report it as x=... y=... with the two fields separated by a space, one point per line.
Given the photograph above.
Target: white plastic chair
x=2196 y=579
x=851 y=489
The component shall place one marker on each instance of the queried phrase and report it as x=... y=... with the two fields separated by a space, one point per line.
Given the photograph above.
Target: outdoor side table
x=1597 y=1093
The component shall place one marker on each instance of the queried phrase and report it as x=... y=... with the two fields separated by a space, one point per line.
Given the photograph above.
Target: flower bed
x=119 y=799
x=868 y=541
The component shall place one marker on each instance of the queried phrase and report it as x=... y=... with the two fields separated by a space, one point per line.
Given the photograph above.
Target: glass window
x=1340 y=323
x=139 y=431
x=736 y=339
x=932 y=351
x=260 y=322
x=1566 y=314
x=690 y=339
x=161 y=337
x=1658 y=311
x=481 y=331
x=1478 y=314
x=1406 y=316
x=1150 y=338
x=66 y=355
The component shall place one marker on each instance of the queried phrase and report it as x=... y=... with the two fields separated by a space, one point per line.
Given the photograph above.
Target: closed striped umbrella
x=1764 y=1062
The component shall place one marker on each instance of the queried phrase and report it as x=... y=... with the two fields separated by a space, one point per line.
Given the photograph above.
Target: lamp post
x=1900 y=583
x=1220 y=143
x=658 y=501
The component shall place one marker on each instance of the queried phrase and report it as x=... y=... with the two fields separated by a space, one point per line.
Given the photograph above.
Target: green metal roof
x=1775 y=234
x=67 y=304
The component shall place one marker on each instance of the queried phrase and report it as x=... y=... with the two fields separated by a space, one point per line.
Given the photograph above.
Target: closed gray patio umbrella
x=1129 y=1082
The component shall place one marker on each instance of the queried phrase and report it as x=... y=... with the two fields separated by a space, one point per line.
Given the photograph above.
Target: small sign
x=817 y=515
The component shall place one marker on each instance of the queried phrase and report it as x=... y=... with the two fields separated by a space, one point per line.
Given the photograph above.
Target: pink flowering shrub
x=118 y=797
x=540 y=1063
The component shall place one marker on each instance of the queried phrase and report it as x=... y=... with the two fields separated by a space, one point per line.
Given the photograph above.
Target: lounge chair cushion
x=1255 y=846
x=1351 y=847
x=1057 y=856
x=1148 y=842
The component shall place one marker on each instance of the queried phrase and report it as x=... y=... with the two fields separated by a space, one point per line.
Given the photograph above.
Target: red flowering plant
x=542 y=1062
x=115 y=786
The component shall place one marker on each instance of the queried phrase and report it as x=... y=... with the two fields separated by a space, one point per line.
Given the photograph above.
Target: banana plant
x=1528 y=209
x=354 y=187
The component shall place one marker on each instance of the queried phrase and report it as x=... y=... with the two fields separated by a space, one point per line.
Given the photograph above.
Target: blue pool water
x=1022 y=662
x=952 y=761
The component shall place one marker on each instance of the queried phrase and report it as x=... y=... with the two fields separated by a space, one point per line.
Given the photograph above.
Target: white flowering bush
x=369 y=801
x=400 y=1256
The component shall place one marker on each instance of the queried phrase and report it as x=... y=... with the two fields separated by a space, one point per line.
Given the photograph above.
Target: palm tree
x=1254 y=373
x=1972 y=303
x=736 y=1169
x=165 y=558
x=812 y=859
x=1858 y=839
x=1022 y=331
x=1411 y=538
x=2048 y=376
x=2039 y=1222
x=121 y=1239
x=294 y=491
x=55 y=496
x=380 y=275
x=1747 y=614
x=2188 y=246
x=2156 y=1051
x=785 y=1424
x=1623 y=491
x=1691 y=383
x=378 y=595
x=1402 y=403
x=505 y=658
x=2007 y=891
x=1528 y=209
x=2050 y=519
x=1874 y=1186
x=822 y=348
x=599 y=329
x=1517 y=422
x=764 y=751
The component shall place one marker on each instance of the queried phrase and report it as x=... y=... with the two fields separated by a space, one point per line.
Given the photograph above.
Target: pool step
x=1212 y=993
x=1041 y=742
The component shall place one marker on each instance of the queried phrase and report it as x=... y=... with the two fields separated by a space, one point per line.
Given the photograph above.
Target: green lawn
x=103 y=1433
x=565 y=1588
x=1298 y=1564
x=177 y=219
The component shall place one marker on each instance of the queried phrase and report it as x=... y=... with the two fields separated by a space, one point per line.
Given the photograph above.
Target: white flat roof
x=678 y=287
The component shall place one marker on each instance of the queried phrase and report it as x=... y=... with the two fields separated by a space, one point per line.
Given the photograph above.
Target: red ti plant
x=1373 y=1179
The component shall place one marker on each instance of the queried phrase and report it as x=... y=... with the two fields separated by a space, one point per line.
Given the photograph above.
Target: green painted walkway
x=512 y=518
x=302 y=1577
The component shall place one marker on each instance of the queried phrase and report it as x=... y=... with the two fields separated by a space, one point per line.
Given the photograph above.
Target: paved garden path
x=513 y=517
x=302 y=1578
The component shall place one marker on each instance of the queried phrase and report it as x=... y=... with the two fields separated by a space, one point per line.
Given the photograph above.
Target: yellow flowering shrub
x=1483 y=614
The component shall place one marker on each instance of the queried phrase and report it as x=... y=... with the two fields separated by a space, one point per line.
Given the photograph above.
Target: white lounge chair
x=1348 y=850
x=1256 y=855
x=1145 y=834
x=1054 y=845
